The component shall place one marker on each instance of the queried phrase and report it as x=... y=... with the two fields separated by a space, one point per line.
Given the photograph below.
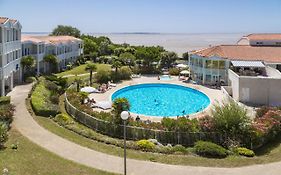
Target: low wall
x=138 y=133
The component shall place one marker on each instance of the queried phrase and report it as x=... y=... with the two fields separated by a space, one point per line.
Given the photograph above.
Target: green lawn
x=81 y=70
x=271 y=153
x=31 y=159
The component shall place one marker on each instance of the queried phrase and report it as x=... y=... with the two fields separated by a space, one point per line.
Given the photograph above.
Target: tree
x=185 y=56
x=66 y=30
x=52 y=61
x=27 y=63
x=78 y=81
x=148 y=55
x=83 y=96
x=89 y=46
x=119 y=105
x=119 y=50
x=168 y=58
x=91 y=67
x=127 y=59
x=116 y=64
x=105 y=49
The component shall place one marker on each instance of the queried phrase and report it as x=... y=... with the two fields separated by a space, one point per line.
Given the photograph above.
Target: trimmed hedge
x=209 y=149
x=145 y=145
x=40 y=100
x=5 y=100
x=245 y=152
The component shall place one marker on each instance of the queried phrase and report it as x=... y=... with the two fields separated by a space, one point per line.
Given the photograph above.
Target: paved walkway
x=29 y=128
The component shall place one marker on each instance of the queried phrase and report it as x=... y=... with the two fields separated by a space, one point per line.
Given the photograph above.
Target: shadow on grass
x=269 y=146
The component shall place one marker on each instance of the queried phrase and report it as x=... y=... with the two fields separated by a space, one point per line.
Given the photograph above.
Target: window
x=278 y=43
x=259 y=43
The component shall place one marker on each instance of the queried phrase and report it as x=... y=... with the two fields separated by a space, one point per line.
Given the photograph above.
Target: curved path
x=24 y=122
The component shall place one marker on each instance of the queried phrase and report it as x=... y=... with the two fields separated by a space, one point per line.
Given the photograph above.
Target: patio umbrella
x=181 y=66
x=88 y=89
x=184 y=72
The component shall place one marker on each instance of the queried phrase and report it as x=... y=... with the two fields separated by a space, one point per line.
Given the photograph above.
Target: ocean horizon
x=177 y=42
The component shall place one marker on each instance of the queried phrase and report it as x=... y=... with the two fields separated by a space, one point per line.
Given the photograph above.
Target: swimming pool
x=165 y=77
x=163 y=100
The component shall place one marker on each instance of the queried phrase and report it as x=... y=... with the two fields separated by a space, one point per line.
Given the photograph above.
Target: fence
x=138 y=133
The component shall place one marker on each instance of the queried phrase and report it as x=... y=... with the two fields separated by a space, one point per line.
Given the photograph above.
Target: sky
x=159 y=16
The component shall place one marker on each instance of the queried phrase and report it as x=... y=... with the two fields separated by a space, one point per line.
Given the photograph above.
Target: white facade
x=210 y=70
x=10 y=54
x=67 y=49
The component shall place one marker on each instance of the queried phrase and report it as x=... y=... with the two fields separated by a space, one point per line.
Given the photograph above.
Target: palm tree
x=116 y=64
x=91 y=67
x=78 y=81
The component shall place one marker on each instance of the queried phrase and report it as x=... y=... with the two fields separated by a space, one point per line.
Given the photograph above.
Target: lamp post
x=125 y=116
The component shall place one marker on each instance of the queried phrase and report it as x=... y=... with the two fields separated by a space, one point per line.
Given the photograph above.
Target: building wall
x=256 y=90
x=10 y=55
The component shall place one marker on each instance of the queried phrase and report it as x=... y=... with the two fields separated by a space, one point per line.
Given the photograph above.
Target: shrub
x=179 y=148
x=103 y=75
x=145 y=145
x=119 y=105
x=30 y=79
x=174 y=71
x=209 y=149
x=3 y=134
x=40 y=100
x=5 y=100
x=231 y=119
x=245 y=152
x=6 y=113
x=63 y=119
x=125 y=73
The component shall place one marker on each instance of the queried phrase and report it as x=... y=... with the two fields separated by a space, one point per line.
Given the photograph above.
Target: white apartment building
x=10 y=54
x=66 y=48
x=210 y=66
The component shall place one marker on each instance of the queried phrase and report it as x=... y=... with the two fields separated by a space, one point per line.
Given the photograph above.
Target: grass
x=81 y=70
x=270 y=153
x=32 y=159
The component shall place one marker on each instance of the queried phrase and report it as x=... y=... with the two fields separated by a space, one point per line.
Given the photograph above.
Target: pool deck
x=215 y=95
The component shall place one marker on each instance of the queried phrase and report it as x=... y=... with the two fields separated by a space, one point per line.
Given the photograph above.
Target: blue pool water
x=164 y=100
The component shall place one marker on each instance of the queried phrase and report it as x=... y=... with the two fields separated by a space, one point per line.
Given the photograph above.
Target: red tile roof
x=49 y=39
x=4 y=19
x=243 y=52
x=264 y=36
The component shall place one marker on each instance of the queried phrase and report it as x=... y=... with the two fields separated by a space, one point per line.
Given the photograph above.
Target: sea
x=179 y=42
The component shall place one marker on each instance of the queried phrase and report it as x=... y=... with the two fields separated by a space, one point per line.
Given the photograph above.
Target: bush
x=245 y=152
x=63 y=119
x=30 y=79
x=5 y=100
x=179 y=148
x=41 y=100
x=6 y=113
x=102 y=75
x=145 y=145
x=209 y=149
x=125 y=73
x=231 y=119
x=3 y=134
x=174 y=71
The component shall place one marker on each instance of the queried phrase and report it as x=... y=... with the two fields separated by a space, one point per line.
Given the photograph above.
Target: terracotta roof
x=264 y=36
x=4 y=19
x=243 y=52
x=49 y=39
